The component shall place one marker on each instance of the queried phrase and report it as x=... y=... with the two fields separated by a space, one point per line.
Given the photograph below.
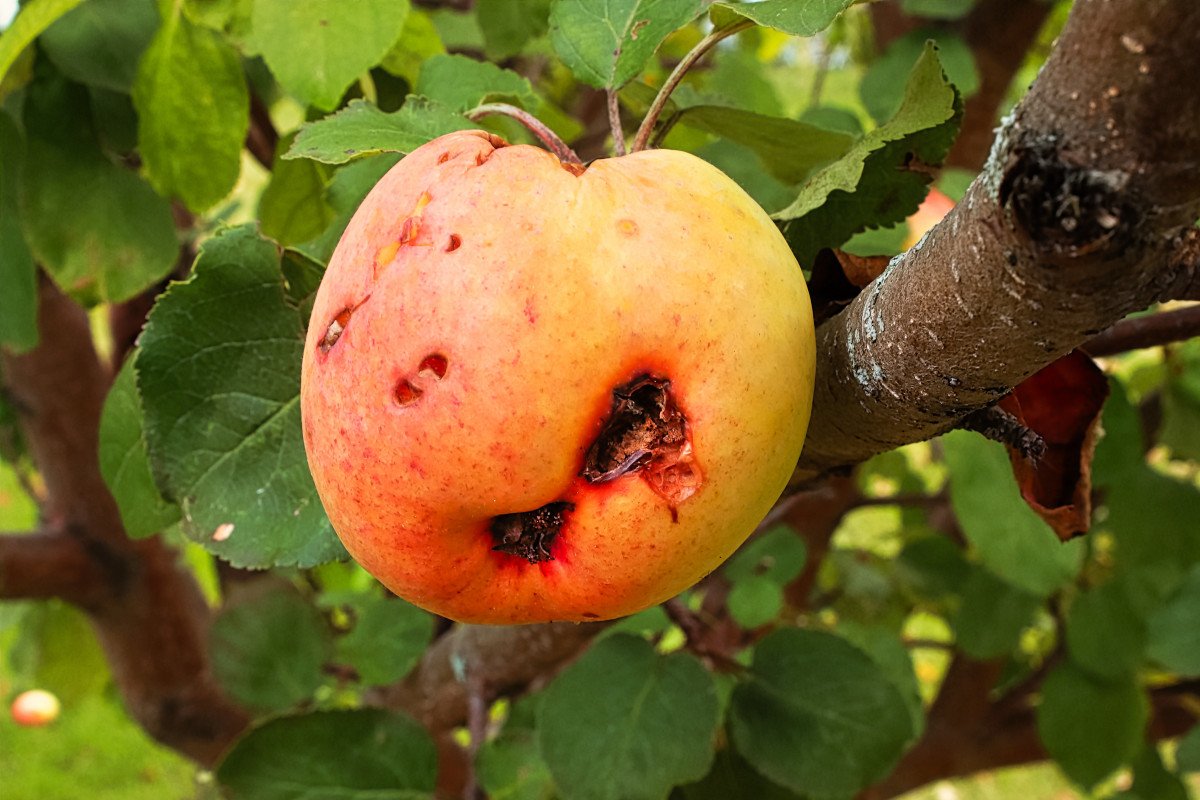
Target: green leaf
x=293 y=209
x=268 y=651
x=873 y=184
x=778 y=555
x=219 y=374
x=193 y=111
x=795 y=17
x=97 y=228
x=387 y=641
x=755 y=601
x=100 y=42
x=510 y=766
x=1010 y=539
x=624 y=723
x=1152 y=780
x=365 y=754
x=124 y=463
x=1187 y=755
x=1106 y=634
x=1091 y=727
x=347 y=189
x=731 y=778
x=817 y=715
x=933 y=568
x=1180 y=430
x=61 y=654
x=18 y=273
x=937 y=9
x=789 y=150
x=34 y=17
x=460 y=83
x=318 y=47
x=1174 y=630
x=882 y=87
x=992 y=615
x=886 y=649
x=418 y=42
x=361 y=129
x=508 y=25
x=607 y=43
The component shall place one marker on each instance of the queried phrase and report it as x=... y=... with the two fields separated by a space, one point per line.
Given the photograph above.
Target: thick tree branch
x=148 y=614
x=1092 y=183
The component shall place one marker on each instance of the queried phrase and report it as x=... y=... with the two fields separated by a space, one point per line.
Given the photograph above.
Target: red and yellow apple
x=533 y=391
x=935 y=206
x=35 y=708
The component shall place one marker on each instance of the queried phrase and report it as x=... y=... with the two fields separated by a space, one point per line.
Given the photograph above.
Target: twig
x=538 y=128
x=1000 y=426
x=1149 y=331
x=477 y=724
x=673 y=80
x=614 y=122
x=261 y=138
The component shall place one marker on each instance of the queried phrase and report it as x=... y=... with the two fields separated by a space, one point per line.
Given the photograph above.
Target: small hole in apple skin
x=434 y=365
x=589 y=615
x=334 y=331
x=454 y=243
x=405 y=393
x=443 y=158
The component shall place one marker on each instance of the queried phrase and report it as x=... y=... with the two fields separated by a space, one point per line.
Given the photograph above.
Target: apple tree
x=987 y=554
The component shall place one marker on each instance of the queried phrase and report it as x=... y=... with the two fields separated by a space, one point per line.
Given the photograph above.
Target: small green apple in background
x=35 y=708
x=535 y=391
x=935 y=206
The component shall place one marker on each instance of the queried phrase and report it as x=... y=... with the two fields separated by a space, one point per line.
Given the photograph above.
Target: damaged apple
x=535 y=391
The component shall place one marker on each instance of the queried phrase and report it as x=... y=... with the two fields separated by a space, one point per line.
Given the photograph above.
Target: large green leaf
x=731 y=778
x=293 y=209
x=790 y=150
x=1091 y=727
x=268 y=652
x=123 y=460
x=1188 y=753
x=347 y=189
x=873 y=185
x=100 y=42
x=419 y=41
x=388 y=639
x=18 y=274
x=817 y=715
x=97 y=228
x=508 y=25
x=1174 y=630
x=318 y=47
x=193 y=112
x=366 y=754
x=624 y=723
x=882 y=87
x=219 y=374
x=992 y=615
x=361 y=129
x=35 y=16
x=460 y=83
x=1010 y=539
x=607 y=43
x=1106 y=634
x=509 y=765
x=796 y=17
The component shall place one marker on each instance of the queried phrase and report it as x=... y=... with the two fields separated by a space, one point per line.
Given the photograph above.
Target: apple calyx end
x=530 y=534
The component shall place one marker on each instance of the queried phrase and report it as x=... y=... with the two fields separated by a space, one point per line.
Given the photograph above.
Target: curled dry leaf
x=1062 y=403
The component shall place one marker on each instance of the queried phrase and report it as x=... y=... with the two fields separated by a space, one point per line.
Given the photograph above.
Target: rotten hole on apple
x=646 y=433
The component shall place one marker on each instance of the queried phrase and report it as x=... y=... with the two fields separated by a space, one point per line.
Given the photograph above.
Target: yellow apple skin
x=35 y=708
x=534 y=292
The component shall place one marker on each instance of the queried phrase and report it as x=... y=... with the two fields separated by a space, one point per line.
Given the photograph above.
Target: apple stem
x=642 y=139
x=539 y=129
x=614 y=121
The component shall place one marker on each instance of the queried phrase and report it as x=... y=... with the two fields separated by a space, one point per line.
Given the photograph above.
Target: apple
x=536 y=391
x=35 y=708
x=935 y=206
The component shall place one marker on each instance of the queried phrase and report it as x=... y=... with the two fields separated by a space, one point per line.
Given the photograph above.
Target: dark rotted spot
x=454 y=243
x=530 y=534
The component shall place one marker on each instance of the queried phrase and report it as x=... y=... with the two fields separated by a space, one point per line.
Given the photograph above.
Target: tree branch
x=148 y=613
x=1151 y=331
x=1090 y=186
